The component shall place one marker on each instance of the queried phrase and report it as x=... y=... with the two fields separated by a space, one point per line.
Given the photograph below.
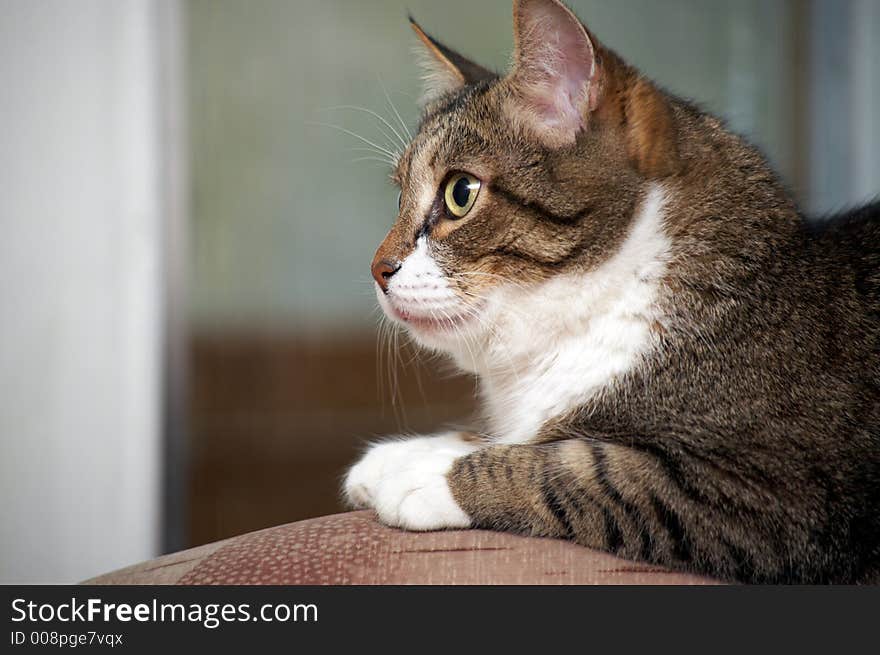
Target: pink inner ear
x=555 y=63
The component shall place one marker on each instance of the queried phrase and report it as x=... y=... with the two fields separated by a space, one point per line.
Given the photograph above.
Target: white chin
x=436 y=331
x=443 y=334
x=444 y=338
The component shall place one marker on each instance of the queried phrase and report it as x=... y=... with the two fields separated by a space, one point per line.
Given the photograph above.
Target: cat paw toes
x=405 y=482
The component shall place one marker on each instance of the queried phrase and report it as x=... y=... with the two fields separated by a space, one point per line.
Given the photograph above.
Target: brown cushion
x=354 y=548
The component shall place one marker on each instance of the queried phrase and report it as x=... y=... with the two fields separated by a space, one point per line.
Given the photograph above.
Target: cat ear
x=555 y=70
x=444 y=69
x=562 y=78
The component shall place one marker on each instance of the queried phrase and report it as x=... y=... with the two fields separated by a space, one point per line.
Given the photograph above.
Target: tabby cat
x=675 y=365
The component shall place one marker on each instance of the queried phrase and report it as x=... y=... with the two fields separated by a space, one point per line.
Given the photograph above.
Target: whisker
x=499 y=341
x=394 y=109
x=376 y=159
x=370 y=150
x=380 y=378
x=398 y=395
x=415 y=363
x=514 y=283
x=397 y=134
x=380 y=149
x=479 y=297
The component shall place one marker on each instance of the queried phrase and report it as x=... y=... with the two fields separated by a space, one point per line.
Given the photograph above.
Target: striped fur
x=675 y=365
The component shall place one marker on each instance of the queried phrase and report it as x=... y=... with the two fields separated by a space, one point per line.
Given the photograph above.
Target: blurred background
x=188 y=347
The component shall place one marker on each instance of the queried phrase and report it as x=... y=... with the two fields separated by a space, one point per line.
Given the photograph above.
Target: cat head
x=517 y=186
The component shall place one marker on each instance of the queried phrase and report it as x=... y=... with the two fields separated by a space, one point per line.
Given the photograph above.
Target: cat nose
x=383 y=270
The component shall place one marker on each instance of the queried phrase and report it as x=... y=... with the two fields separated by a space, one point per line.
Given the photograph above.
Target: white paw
x=405 y=482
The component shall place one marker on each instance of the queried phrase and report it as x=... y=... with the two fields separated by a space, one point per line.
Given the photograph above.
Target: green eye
x=461 y=194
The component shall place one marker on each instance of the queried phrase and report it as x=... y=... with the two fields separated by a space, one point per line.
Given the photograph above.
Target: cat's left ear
x=445 y=70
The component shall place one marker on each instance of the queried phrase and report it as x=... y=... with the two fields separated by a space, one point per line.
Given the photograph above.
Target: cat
x=675 y=366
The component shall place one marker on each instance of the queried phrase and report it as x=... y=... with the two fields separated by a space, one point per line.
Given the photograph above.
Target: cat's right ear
x=445 y=70
x=563 y=79
x=556 y=69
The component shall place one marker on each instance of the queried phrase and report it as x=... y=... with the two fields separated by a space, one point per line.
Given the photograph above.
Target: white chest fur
x=560 y=344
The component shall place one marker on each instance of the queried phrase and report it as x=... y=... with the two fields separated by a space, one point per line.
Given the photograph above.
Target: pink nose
x=383 y=270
